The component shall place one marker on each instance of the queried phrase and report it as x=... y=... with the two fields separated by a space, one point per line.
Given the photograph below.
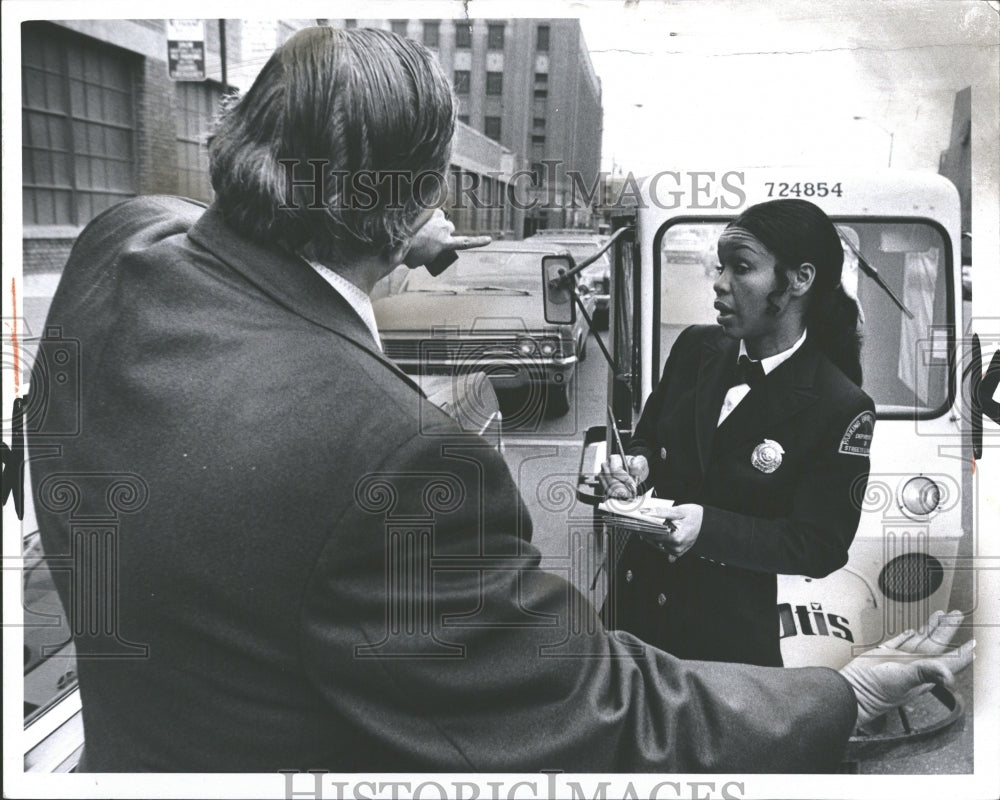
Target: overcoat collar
x=784 y=392
x=289 y=280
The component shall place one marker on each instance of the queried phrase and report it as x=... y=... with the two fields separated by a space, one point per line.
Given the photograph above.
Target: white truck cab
x=901 y=236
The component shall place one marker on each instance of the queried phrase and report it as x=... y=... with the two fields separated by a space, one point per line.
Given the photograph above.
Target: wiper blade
x=498 y=289
x=872 y=273
x=433 y=291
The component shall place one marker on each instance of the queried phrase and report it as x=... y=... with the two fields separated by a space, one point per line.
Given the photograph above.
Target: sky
x=696 y=83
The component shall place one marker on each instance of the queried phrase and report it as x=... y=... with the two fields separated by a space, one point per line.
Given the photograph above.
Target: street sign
x=186 y=49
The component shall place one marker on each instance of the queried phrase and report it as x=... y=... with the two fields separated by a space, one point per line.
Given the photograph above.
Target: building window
x=463 y=118
x=542 y=38
x=538 y=123
x=536 y=139
x=542 y=77
x=398 y=26
x=432 y=34
x=461 y=81
x=494 y=83
x=541 y=94
x=78 y=126
x=197 y=107
x=492 y=128
x=350 y=23
x=463 y=34
x=494 y=37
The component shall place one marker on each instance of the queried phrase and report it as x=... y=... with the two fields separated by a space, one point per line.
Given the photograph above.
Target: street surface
x=544 y=459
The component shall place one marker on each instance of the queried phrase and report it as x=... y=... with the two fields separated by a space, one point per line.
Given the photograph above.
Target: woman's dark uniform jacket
x=718 y=602
x=287 y=482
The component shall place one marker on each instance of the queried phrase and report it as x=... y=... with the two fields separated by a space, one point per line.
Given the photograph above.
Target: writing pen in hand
x=631 y=485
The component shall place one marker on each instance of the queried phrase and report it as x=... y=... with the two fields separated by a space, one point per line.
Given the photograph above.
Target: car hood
x=482 y=311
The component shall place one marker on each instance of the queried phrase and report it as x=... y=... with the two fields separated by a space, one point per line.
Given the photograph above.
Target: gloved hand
x=907 y=665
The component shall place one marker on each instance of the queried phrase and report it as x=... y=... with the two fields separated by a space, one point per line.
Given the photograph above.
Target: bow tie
x=748 y=372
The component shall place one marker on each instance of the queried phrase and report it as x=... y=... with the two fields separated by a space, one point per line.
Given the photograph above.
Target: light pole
x=884 y=130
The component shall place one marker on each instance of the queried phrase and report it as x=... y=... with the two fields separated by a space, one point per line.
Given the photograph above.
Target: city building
x=103 y=120
x=530 y=85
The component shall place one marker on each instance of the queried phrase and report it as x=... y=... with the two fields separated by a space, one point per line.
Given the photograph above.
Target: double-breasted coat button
x=661 y=599
x=629 y=576
x=663 y=454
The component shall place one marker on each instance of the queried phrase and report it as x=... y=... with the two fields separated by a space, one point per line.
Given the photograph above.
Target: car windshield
x=904 y=359
x=484 y=270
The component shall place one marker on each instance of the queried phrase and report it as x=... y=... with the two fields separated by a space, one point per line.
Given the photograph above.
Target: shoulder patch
x=857 y=439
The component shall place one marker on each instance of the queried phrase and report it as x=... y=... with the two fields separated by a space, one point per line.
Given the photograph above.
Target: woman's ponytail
x=832 y=320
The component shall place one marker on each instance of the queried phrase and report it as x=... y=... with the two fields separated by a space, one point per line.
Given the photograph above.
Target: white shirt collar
x=356 y=297
x=771 y=362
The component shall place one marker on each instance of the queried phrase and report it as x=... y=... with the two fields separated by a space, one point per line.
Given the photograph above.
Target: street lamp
x=884 y=130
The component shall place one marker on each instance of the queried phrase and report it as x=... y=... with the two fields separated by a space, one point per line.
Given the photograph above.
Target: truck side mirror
x=558 y=289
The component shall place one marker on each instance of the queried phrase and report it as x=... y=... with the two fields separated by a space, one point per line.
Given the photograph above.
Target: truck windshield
x=905 y=359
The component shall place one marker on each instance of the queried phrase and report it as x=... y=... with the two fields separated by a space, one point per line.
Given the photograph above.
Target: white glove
x=907 y=665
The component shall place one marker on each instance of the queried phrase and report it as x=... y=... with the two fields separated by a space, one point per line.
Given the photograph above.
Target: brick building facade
x=102 y=120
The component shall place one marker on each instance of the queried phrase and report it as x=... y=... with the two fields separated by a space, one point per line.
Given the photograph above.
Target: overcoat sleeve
x=432 y=634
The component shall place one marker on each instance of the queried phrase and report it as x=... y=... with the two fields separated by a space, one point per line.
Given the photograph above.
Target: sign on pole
x=186 y=49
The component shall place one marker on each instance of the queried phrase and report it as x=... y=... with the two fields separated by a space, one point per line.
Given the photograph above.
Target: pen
x=621 y=449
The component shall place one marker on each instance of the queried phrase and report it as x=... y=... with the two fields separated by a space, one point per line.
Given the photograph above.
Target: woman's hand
x=680 y=530
x=434 y=237
x=908 y=665
x=622 y=482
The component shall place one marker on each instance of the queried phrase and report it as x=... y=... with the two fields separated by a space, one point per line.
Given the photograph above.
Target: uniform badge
x=857 y=439
x=767 y=456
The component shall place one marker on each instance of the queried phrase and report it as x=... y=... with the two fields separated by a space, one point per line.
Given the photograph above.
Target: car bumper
x=503 y=373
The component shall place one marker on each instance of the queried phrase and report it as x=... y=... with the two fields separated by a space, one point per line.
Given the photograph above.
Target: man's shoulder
x=149 y=218
x=149 y=208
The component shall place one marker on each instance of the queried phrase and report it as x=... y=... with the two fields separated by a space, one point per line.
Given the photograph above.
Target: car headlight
x=526 y=346
x=920 y=496
x=548 y=347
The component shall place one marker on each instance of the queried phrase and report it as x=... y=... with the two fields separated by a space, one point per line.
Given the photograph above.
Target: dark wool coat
x=718 y=601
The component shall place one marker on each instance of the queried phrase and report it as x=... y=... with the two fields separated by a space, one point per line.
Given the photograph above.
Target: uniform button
x=663 y=454
x=661 y=599
x=628 y=576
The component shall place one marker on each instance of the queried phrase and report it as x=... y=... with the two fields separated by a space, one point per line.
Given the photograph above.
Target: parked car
x=582 y=244
x=53 y=725
x=691 y=244
x=484 y=313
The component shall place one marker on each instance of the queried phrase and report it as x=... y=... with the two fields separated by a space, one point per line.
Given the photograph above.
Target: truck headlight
x=920 y=496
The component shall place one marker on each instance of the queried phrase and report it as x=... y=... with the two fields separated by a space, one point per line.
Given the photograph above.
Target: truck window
x=905 y=360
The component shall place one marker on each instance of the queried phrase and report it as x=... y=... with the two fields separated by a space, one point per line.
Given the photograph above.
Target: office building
x=528 y=84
